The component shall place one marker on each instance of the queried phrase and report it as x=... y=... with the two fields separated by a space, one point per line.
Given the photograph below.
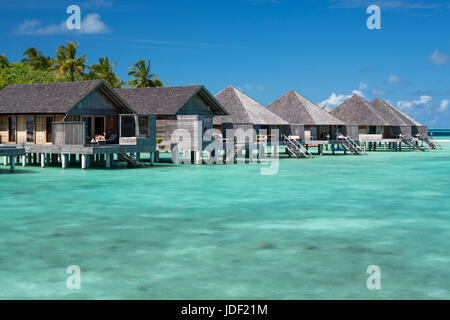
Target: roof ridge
x=237 y=92
x=380 y=115
x=299 y=96
x=189 y=86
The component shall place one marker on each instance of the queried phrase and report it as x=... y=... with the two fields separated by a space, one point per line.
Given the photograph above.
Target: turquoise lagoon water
x=227 y=232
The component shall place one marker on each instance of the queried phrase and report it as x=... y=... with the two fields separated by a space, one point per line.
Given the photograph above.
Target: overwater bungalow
x=186 y=107
x=417 y=129
x=63 y=120
x=246 y=113
x=307 y=121
x=364 y=122
x=401 y=128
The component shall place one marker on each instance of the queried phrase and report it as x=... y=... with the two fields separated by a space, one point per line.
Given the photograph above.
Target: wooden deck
x=9 y=154
x=88 y=149
x=8 y=150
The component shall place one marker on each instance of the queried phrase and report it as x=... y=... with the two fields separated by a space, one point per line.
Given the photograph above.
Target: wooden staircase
x=296 y=149
x=131 y=160
x=433 y=144
x=410 y=142
x=350 y=145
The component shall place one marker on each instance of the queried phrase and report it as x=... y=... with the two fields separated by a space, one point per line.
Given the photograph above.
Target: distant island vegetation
x=35 y=67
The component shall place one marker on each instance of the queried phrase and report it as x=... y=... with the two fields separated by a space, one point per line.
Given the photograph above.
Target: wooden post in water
x=42 y=160
x=108 y=160
x=64 y=161
x=196 y=157
x=152 y=158
x=83 y=161
x=12 y=164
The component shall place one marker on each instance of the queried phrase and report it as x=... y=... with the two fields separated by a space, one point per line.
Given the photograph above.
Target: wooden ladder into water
x=296 y=148
x=410 y=142
x=131 y=160
x=431 y=143
x=350 y=145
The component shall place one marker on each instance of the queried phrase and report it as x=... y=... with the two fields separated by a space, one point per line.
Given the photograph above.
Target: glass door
x=87 y=128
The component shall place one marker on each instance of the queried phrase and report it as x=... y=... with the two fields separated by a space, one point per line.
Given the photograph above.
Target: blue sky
x=322 y=49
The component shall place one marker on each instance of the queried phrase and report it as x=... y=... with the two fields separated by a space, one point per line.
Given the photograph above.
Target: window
x=372 y=130
x=128 y=126
x=30 y=128
x=143 y=126
x=12 y=129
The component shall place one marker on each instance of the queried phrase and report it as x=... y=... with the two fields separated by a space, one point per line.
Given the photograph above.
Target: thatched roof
x=406 y=118
x=357 y=111
x=243 y=109
x=53 y=97
x=167 y=100
x=387 y=110
x=296 y=109
x=326 y=108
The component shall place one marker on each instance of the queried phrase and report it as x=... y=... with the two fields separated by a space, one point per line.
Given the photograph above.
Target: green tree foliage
x=36 y=59
x=103 y=70
x=142 y=76
x=3 y=61
x=67 y=62
x=20 y=73
x=35 y=67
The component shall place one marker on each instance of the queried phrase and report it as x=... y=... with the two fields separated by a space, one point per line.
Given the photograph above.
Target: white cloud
x=335 y=99
x=439 y=58
x=362 y=86
x=393 y=78
x=33 y=27
x=90 y=24
x=405 y=104
x=444 y=105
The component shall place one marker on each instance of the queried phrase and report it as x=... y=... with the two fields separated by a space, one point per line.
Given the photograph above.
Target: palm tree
x=142 y=76
x=3 y=61
x=67 y=61
x=36 y=59
x=104 y=71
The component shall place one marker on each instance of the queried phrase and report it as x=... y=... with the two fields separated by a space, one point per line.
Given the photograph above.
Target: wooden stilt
x=12 y=165
x=83 y=161
x=64 y=161
x=152 y=158
x=108 y=160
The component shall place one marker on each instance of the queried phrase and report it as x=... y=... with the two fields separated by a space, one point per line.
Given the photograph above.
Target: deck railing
x=68 y=133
